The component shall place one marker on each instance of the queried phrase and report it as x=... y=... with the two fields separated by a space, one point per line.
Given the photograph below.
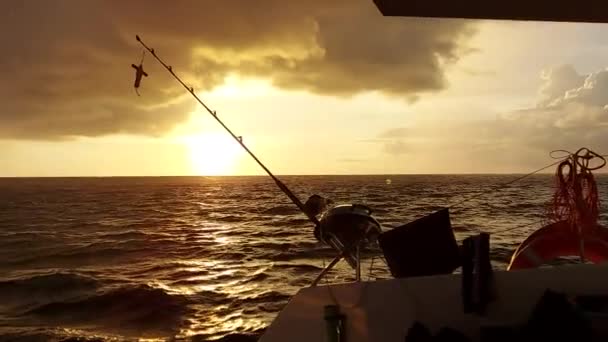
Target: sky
x=313 y=87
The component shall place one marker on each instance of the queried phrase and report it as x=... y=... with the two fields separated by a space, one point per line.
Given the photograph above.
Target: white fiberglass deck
x=384 y=310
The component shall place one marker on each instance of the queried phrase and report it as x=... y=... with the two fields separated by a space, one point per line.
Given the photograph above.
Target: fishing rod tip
x=137 y=37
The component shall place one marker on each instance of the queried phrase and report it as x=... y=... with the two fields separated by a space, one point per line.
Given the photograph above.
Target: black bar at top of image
x=591 y=11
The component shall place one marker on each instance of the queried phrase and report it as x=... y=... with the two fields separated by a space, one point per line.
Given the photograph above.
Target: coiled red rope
x=576 y=198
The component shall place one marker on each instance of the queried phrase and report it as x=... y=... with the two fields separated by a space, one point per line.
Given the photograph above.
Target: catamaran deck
x=385 y=310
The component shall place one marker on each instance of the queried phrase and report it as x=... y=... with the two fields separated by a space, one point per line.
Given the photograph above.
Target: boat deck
x=385 y=310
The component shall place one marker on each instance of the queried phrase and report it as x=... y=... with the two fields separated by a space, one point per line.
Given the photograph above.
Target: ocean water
x=205 y=258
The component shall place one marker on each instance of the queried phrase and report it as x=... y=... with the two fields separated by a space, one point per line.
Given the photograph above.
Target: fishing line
x=564 y=157
x=503 y=185
x=238 y=139
x=499 y=187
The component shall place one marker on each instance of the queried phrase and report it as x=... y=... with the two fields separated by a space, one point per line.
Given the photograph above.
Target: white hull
x=385 y=310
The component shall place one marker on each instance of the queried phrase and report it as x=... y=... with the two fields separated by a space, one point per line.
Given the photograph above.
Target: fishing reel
x=347 y=228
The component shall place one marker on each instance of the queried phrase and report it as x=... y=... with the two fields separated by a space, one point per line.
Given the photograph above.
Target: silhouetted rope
x=576 y=198
x=371 y=268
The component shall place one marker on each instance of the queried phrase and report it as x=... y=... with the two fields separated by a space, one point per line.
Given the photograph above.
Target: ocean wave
x=281 y=210
x=126 y=309
x=274 y=246
x=53 y=335
x=155 y=268
x=31 y=290
x=279 y=233
x=299 y=268
x=293 y=222
x=211 y=298
x=271 y=307
x=256 y=277
x=226 y=217
x=300 y=254
x=267 y=297
x=68 y=259
x=184 y=274
x=237 y=337
x=51 y=281
x=128 y=234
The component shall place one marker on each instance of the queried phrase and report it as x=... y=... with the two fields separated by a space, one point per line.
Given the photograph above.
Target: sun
x=213 y=154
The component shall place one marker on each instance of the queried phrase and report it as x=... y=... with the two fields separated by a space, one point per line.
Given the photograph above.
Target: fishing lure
x=139 y=73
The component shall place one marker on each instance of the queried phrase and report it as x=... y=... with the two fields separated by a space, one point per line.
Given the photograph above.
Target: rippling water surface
x=126 y=258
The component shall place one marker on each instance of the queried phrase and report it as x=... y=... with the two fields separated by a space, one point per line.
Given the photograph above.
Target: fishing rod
x=238 y=139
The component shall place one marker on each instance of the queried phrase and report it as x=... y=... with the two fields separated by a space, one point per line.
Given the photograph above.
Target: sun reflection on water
x=223 y=299
x=214 y=325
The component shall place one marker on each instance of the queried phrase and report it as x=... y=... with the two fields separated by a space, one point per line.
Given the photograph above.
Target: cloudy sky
x=314 y=87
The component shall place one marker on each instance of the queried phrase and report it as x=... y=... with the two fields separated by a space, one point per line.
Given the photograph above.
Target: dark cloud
x=66 y=64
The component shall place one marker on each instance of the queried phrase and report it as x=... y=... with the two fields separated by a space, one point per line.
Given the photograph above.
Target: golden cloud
x=66 y=64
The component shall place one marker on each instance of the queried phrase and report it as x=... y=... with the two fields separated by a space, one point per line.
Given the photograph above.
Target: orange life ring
x=560 y=240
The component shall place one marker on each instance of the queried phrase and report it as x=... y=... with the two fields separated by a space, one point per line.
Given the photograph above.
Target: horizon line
x=290 y=175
